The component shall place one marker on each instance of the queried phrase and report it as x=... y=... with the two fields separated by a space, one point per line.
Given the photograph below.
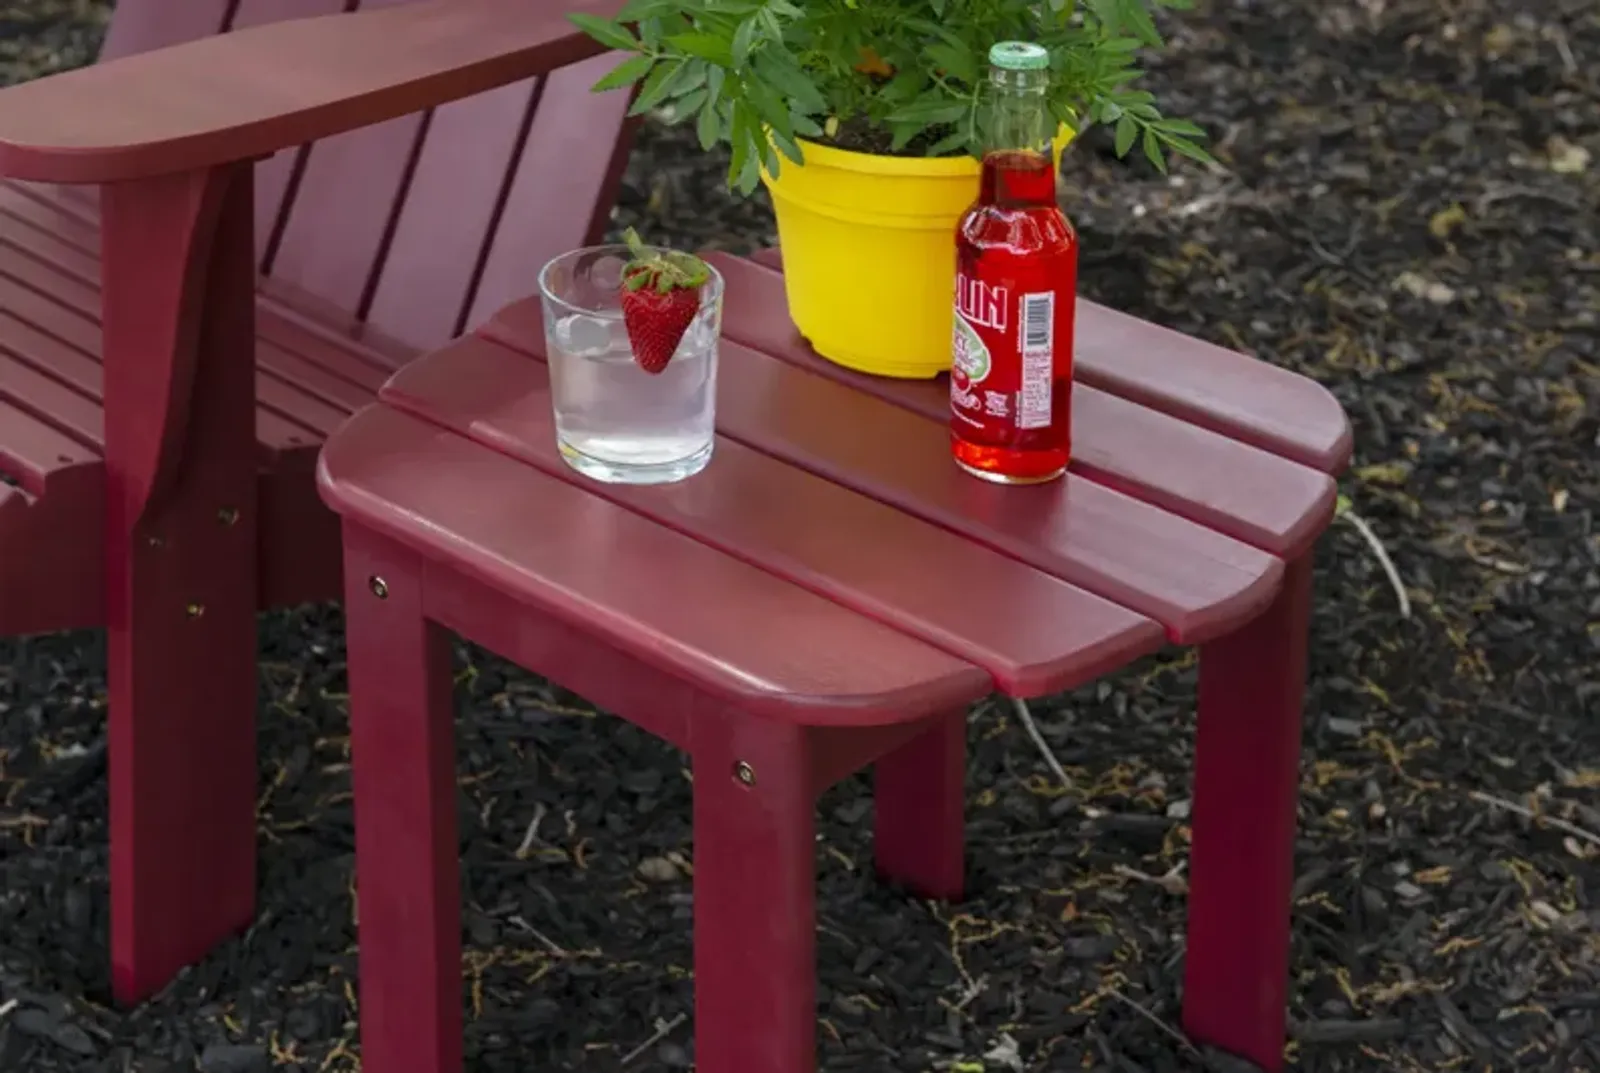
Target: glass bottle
x=1016 y=287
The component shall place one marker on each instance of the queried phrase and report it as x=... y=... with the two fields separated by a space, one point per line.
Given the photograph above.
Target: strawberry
x=660 y=297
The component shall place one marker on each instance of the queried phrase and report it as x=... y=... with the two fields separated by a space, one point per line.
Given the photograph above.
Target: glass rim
x=714 y=284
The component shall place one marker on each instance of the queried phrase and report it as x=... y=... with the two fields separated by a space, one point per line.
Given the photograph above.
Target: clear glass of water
x=614 y=421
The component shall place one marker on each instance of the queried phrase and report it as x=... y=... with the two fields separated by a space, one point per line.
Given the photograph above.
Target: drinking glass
x=614 y=421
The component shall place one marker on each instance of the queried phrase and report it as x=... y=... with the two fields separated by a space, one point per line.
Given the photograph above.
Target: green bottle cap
x=1019 y=56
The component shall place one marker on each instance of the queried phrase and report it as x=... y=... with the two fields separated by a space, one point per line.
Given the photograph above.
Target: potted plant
x=864 y=119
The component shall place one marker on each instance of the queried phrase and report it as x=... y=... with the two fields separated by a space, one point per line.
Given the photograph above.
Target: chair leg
x=1241 y=863
x=754 y=898
x=920 y=823
x=408 y=894
x=181 y=541
x=181 y=669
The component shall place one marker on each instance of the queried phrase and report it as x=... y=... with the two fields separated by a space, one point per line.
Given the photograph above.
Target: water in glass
x=614 y=421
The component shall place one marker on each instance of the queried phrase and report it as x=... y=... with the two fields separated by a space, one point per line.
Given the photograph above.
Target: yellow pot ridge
x=869 y=254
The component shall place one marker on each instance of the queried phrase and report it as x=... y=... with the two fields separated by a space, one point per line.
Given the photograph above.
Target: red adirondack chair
x=137 y=495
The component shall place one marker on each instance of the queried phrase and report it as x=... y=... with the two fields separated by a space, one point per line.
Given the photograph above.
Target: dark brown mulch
x=1407 y=211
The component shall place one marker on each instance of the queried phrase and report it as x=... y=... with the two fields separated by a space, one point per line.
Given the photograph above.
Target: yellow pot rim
x=921 y=166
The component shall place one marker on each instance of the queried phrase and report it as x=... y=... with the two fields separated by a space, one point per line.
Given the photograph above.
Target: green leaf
x=708 y=127
x=686 y=106
x=949 y=143
x=788 y=148
x=708 y=47
x=1152 y=150
x=778 y=69
x=658 y=87
x=625 y=73
x=639 y=10
x=1127 y=131
x=958 y=63
x=931 y=110
x=749 y=175
x=743 y=38
x=1181 y=126
x=1184 y=147
x=605 y=31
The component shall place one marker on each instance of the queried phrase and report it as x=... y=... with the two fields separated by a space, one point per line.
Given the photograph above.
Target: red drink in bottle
x=1016 y=286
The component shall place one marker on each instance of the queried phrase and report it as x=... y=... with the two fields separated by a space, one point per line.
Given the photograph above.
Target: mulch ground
x=1407 y=211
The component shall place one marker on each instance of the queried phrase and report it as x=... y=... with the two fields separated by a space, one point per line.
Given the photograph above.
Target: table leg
x=1241 y=864
x=402 y=749
x=754 y=898
x=920 y=823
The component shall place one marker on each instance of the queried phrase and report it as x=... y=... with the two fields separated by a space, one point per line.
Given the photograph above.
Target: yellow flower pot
x=869 y=254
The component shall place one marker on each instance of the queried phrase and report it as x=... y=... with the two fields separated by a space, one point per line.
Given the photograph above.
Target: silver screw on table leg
x=744 y=773
x=379 y=587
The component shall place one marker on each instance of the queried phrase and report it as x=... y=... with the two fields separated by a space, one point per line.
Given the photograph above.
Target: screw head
x=228 y=515
x=379 y=587
x=154 y=541
x=195 y=610
x=744 y=773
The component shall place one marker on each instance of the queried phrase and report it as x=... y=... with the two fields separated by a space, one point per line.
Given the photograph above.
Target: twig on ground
x=1383 y=558
x=1538 y=817
x=1171 y=880
x=1173 y=1033
x=549 y=943
x=1038 y=739
x=663 y=1027
x=531 y=835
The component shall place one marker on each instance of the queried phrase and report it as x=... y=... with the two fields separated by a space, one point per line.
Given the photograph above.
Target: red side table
x=890 y=590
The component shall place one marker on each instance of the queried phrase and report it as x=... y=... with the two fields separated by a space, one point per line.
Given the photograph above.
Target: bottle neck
x=1019 y=114
x=1019 y=158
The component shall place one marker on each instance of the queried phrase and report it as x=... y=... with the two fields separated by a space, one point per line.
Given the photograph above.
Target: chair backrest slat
x=429 y=223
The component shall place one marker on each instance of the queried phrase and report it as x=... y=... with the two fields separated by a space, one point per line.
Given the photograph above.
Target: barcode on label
x=1038 y=319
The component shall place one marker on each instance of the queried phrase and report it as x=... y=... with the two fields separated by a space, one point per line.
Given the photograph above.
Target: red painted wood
x=402 y=477
x=35 y=452
x=402 y=749
x=449 y=214
x=349 y=191
x=56 y=365
x=1199 y=382
x=1123 y=550
x=563 y=163
x=755 y=851
x=1035 y=634
x=1222 y=483
x=51 y=574
x=142 y=25
x=1241 y=862
x=226 y=98
x=180 y=580
x=920 y=824
x=275 y=174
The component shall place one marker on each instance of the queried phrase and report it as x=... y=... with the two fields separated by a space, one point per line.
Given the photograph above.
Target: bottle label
x=1002 y=357
x=1038 y=359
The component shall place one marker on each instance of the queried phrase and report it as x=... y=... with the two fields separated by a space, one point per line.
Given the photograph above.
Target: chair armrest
x=248 y=94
